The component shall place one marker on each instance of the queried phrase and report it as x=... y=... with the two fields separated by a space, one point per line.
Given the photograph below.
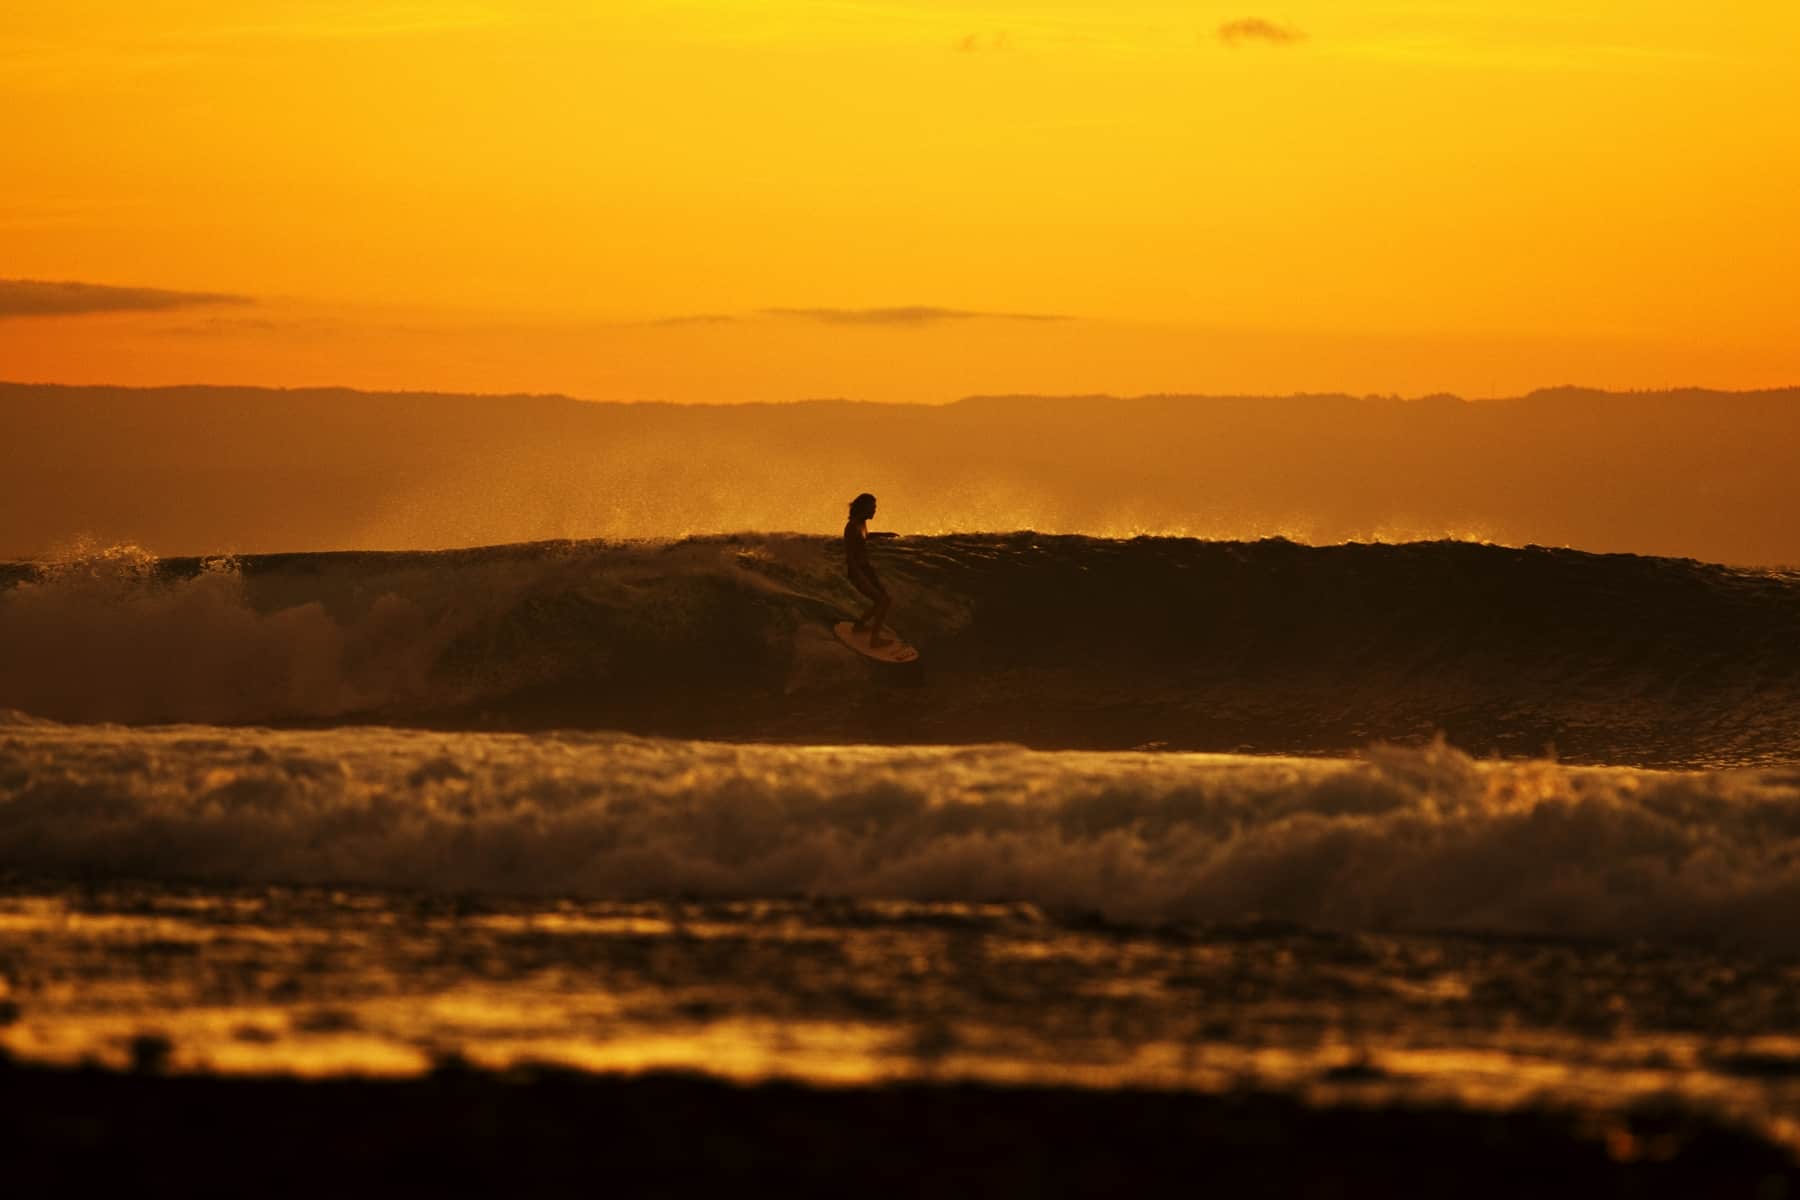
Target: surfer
x=862 y=575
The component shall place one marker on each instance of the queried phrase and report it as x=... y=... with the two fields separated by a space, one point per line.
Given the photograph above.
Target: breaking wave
x=1401 y=839
x=1054 y=642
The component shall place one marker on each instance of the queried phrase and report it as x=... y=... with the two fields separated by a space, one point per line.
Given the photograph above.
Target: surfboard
x=894 y=651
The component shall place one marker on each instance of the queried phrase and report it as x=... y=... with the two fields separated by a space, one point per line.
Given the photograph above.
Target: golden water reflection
x=322 y=983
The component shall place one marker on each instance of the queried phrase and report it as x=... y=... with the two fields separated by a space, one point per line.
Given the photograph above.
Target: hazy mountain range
x=193 y=470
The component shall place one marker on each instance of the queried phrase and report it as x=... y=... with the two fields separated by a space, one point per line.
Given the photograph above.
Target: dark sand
x=462 y=1132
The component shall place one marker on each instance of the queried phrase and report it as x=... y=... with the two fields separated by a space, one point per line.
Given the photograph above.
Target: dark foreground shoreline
x=460 y=1132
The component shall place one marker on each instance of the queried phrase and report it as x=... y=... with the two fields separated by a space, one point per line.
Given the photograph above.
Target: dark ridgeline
x=1050 y=641
x=1692 y=473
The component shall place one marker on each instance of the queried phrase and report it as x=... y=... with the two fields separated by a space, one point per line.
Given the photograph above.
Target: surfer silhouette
x=862 y=574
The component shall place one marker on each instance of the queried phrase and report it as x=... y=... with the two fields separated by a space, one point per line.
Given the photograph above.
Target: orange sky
x=901 y=199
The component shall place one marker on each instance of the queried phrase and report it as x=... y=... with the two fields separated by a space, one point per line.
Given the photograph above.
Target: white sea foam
x=1400 y=839
x=99 y=635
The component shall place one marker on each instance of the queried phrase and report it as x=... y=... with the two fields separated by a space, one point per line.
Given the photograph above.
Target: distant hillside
x=207 y=470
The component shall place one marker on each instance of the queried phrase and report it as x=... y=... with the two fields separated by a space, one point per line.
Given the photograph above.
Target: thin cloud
x=917 y=314
x=44 y=298
x=1256 y=30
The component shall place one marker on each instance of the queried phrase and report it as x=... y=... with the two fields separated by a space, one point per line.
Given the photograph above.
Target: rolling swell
x=1061 y=641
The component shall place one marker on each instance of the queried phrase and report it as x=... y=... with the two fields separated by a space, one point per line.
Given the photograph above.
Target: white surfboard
x=893 y=650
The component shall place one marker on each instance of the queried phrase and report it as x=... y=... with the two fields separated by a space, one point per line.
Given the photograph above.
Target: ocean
x=1443 y=831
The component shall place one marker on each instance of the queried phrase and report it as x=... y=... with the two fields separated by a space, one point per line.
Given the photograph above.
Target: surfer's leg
x=873 y=593
x=877 y=615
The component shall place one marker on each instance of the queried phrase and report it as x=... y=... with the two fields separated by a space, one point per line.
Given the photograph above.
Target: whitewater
x=1397 y=840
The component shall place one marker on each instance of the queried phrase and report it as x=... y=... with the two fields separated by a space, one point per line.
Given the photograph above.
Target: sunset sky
x=901 y=199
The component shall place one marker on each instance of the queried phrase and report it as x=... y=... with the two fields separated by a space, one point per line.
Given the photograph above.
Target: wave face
x=1052 y=642
x=1404 y=839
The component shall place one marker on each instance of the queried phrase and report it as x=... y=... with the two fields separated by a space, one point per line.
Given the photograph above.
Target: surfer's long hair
x=863 y=507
